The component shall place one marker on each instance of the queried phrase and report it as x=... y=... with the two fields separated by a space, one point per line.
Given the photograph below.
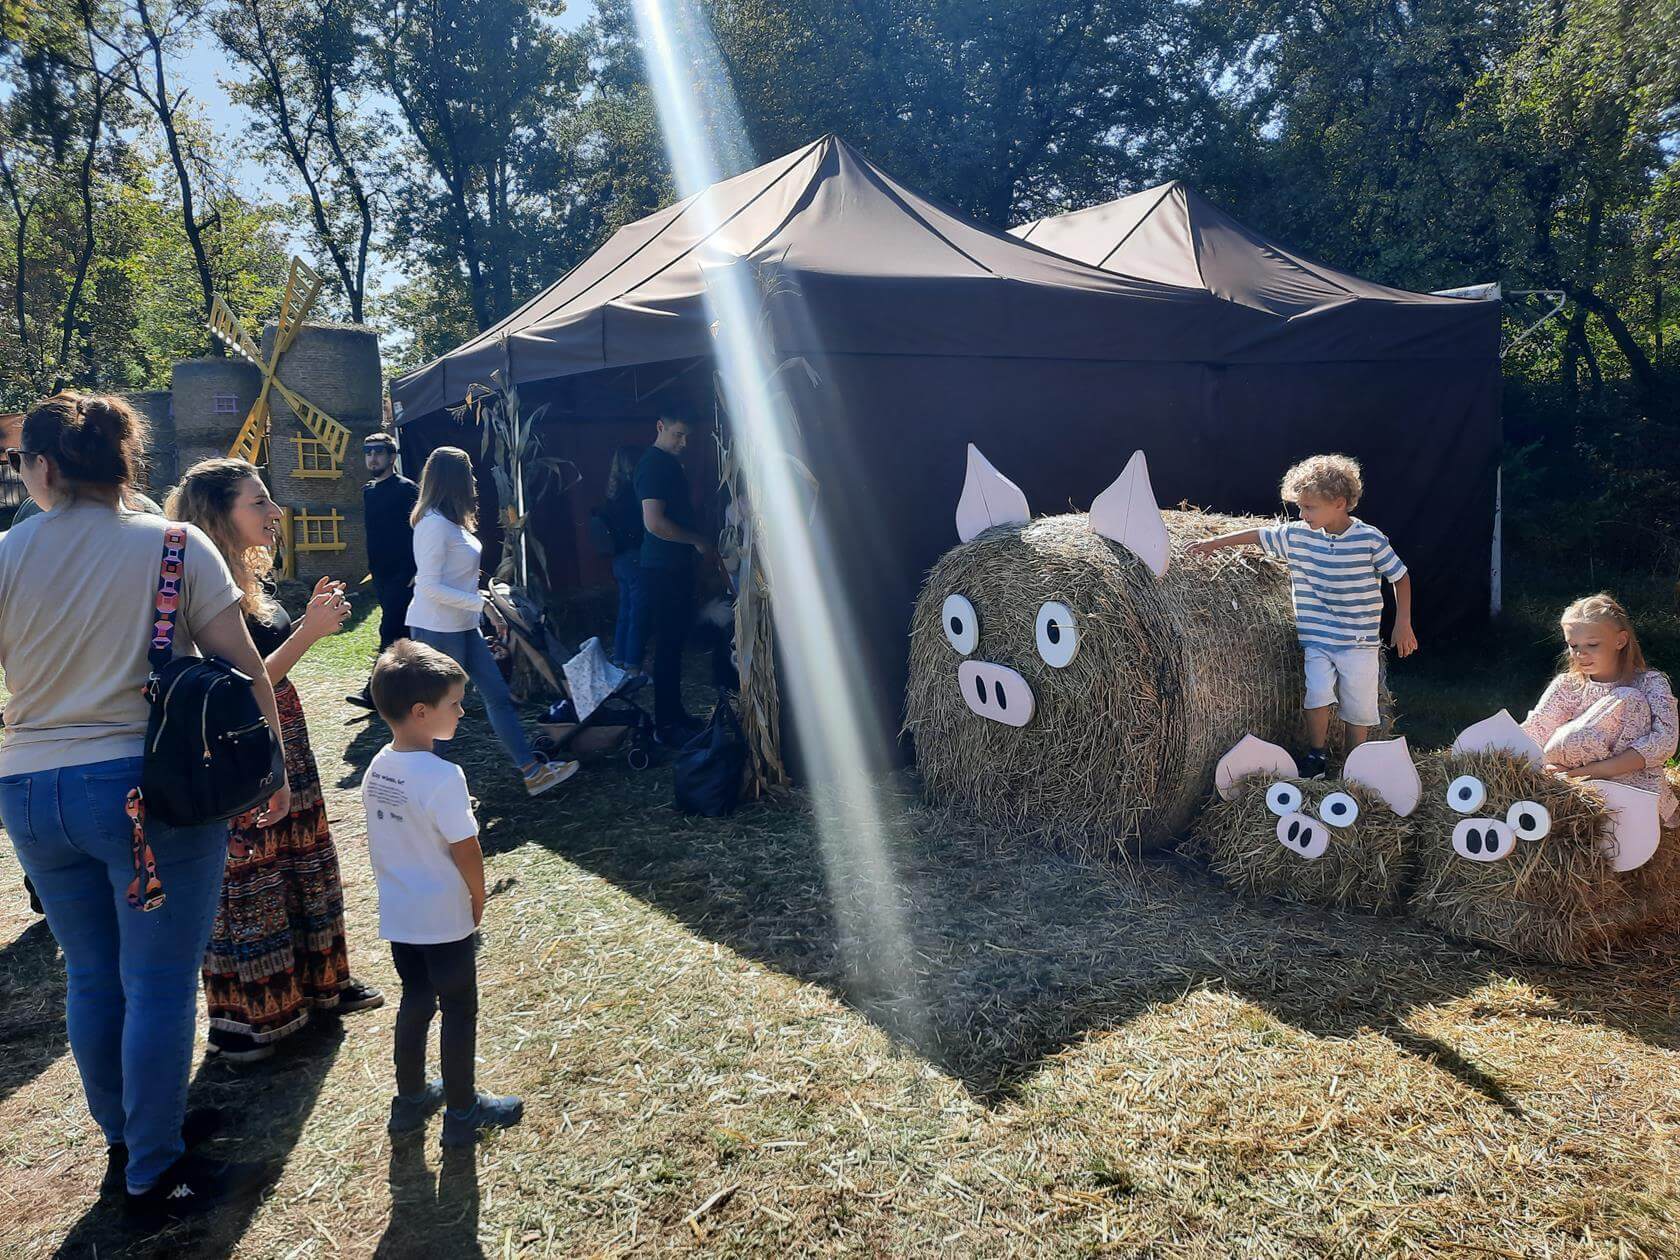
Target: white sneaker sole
x=555 y=776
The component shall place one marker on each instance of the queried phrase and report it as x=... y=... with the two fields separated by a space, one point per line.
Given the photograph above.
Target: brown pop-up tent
x=928 y=331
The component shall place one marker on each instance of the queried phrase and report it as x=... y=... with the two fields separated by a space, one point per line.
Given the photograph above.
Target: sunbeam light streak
x=834 y=713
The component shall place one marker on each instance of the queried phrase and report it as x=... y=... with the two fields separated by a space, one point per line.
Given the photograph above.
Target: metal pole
x=1496 y=588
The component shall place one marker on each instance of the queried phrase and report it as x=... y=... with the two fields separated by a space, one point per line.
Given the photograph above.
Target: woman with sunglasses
x=78 y=597
x=277 y=956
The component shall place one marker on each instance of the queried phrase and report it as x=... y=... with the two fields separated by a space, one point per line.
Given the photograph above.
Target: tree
x=484 y=88
x=306 y=70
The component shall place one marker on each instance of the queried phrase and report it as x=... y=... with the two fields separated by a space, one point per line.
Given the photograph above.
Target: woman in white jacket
x=447 y=605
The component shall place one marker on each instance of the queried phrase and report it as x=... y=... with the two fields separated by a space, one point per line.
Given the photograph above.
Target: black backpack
x=210 y=753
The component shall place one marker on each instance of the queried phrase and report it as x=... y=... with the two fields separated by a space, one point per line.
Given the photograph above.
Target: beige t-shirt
x=78 y=587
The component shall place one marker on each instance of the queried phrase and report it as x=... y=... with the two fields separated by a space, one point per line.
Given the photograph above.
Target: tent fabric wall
x=930 y=331
x=888 y=439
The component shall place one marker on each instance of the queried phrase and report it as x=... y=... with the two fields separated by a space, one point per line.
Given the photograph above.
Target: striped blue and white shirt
x=1335 y=580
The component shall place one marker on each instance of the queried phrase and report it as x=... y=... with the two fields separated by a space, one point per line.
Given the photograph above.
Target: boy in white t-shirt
x=423 y=841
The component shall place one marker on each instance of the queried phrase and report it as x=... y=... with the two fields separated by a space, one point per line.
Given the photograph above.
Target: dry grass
x=1367 y=866
x=1555 y=899
x=1169 y=674
x=1117 y=1060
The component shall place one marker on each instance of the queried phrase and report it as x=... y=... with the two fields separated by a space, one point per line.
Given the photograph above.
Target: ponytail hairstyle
x=447 y=487
x=1606 y=610
x=96 y=442
x=205 y=497
x=623 y=470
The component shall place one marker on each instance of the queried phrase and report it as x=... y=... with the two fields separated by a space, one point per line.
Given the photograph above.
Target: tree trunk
x=164 y=108
x=1645 y=379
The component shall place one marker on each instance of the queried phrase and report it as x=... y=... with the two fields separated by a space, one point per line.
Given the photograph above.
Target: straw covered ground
x=1116 y=1059
x=1169 y=673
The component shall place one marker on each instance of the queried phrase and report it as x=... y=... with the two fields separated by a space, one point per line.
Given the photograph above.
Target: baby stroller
x=595 y=715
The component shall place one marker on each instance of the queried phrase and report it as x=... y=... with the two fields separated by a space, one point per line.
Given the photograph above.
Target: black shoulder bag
x=210 y=753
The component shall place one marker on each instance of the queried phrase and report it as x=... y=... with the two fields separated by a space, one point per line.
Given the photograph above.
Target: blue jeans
x=468 y=649
x=630 y=631
x=133 y=976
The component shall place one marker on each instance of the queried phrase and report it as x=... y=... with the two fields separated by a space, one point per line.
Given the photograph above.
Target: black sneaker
x=357 y=996
x=198 y=1126
x=239 y=1047
x=192 y=1186
x=677 y=734
x=1314 y=764
x=362 y=699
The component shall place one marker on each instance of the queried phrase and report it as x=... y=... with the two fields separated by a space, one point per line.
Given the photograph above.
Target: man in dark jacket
x=387 y=502
x=668 y=561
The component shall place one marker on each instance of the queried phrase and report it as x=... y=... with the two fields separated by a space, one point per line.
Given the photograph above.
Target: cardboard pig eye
x=1058 y=637
x=962 y=624
x=1466 y=794
x=1339 y=809
x=1529 y=821
x=1283 y=798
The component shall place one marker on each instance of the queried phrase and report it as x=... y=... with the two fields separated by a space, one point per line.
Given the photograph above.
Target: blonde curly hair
x=1325 y=477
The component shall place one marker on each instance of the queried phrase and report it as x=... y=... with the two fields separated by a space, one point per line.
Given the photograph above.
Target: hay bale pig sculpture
x=1551 y=868
x=1479 y=841
x=1345 y=843
x=1075 y=678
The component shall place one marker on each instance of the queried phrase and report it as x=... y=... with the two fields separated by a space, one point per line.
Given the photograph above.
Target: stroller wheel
x=638 y=757
x=546 y=745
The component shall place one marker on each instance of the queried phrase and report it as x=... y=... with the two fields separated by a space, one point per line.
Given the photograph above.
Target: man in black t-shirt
x=387 y=502
x=669 y=549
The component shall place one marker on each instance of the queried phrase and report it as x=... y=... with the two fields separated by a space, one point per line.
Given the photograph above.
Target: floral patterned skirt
x=277 y=949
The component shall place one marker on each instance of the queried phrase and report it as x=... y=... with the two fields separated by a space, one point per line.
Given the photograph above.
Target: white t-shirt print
x=417 y=806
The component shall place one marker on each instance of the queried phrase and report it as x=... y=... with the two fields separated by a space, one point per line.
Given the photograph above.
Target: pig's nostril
x=1294 y=830
x=1002 y=700
x=980 y=688
x=1473 y=840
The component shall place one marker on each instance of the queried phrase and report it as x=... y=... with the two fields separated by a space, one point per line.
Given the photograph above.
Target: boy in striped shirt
x=1337 y=564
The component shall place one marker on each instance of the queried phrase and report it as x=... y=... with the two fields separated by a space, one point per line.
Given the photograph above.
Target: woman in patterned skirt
x=277 y=952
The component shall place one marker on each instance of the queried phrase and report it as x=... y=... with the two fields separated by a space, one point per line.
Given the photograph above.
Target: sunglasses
x=14 y=457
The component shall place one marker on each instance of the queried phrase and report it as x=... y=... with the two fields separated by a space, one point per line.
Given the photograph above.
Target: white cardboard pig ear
x=1635 y=829
x=1251 y=756
x=988 y=498
x=1127 y=513
x=1499 y=733
x=1384 y=767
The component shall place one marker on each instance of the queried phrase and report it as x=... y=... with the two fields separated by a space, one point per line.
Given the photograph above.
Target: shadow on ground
x=1017 y=954
x=32 y=1035
x=289 y=1085
x=433 y=1214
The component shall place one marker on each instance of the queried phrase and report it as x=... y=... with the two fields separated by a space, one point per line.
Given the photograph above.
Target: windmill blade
x=303 y=283
x=248 y=445
x=230 y=332
x=333 y=435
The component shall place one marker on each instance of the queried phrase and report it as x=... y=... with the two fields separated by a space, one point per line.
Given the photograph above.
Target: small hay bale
x=1555 y=899
x=1367 y=866
x=1169 y=673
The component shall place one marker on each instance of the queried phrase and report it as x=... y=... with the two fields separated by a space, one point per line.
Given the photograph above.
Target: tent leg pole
x=1496 y=587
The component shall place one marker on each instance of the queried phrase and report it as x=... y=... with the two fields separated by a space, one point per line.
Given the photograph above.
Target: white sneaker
x=547 y=775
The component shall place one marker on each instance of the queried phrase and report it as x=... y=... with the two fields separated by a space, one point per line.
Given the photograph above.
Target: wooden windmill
x=308 y=472
x=303 y=284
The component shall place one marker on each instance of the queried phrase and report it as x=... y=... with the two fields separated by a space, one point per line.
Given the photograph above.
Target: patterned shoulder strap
x=168 y=597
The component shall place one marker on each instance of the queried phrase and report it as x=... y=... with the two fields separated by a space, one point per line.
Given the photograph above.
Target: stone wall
x=336 y=368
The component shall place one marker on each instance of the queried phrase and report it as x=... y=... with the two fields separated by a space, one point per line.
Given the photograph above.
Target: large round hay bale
x=1169 y=672
x=1556 y=898
x=1367 y=865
